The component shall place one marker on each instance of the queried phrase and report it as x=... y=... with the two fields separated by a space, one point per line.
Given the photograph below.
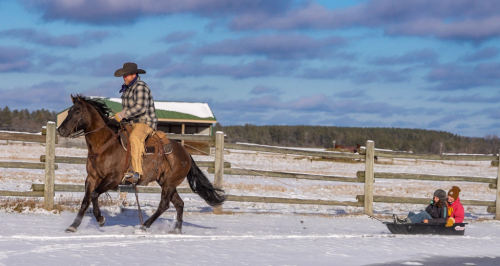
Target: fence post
x=497 y=211
x=183 y=131
x=50 y=158
x=219 y=165
x=369 y=176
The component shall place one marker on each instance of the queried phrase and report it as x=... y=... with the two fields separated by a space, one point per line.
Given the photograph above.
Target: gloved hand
x=450 y=222
x=120 y=115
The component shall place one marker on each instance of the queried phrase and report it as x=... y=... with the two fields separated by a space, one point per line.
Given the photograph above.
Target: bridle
x=74 y=133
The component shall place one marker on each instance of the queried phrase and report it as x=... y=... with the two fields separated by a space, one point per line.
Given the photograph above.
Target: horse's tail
x=200 y=184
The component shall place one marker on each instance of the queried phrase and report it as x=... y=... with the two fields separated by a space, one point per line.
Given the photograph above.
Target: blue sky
x=388 y=63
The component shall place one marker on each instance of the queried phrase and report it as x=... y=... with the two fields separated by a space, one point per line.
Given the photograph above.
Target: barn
x=173 y=117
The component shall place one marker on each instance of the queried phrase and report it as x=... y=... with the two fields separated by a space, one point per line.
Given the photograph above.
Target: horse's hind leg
x=179 y=207
x=166 y=196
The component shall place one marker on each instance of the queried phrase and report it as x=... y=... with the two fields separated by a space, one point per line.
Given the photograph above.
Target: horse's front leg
x=105 y=185
x=89 y=187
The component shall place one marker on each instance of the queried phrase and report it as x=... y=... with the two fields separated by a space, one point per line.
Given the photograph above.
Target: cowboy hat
x=129 y=68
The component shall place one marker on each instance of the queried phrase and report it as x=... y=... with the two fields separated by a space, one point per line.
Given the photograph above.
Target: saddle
x=159 y=138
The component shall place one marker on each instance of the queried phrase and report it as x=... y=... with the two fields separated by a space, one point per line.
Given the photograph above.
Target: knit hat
x=441 y=194
x=454 y=192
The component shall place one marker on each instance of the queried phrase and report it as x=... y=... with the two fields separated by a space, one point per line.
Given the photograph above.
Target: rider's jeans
x=140 y=132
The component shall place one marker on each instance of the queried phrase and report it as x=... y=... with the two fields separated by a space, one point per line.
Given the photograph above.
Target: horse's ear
x=73 y=99
x=79 y=98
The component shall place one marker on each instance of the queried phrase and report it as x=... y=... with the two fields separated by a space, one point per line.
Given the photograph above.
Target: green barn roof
x=170 y=111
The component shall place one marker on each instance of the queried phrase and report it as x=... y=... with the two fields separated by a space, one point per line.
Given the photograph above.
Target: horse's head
x=79 y=117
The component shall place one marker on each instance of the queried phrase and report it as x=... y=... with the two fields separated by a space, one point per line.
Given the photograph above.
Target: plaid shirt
x=138 y=104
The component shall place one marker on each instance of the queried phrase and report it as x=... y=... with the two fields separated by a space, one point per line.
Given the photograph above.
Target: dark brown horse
x=106 y=171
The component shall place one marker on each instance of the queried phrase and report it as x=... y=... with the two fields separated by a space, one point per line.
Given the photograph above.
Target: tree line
x=397 y=139
x=24 y=120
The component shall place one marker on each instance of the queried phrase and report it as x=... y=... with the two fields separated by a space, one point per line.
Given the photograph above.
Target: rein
x=139 y=207
x=95 y=129
x=80 y=133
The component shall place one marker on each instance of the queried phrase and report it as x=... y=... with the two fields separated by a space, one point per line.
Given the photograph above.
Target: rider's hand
x=120 y=115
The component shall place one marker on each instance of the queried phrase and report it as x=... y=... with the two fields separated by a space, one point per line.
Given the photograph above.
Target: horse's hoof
x=102 y=222
x=143 y=228
x=176 y=231
x=71 y=229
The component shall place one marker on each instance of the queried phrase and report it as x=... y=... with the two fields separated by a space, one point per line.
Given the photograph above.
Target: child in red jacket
x=455 y=208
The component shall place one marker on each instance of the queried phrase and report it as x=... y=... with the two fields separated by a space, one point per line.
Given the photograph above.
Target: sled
x=457 y=229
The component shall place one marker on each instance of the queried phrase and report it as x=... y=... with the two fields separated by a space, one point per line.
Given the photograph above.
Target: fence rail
x=253 y=172
x=17 y=136
x=191 y=137
x=274 y=149
x=382 y=175
x=39 y=188
x=443 y=157
x=26 y=165
x=293 y=201
x=83 y=160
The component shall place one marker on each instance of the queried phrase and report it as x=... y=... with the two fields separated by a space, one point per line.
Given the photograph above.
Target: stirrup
x=168 y=148
x=132 y=177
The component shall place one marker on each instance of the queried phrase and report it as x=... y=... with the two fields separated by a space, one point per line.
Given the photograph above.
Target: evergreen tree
x=5 y=118
x=23 y=120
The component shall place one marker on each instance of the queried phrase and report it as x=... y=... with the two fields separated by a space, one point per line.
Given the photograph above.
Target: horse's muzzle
x=63 y=132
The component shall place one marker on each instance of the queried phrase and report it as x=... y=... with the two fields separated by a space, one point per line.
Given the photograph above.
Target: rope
x=373 y=217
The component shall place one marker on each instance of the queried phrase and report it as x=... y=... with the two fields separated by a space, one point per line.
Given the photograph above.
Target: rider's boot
x=132 y=177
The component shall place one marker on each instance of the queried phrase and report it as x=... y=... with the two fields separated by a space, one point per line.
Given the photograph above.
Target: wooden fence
x=219 y=168
x=48 y=137
x=368 y=176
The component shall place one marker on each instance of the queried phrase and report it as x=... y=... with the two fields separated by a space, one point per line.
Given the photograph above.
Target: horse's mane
x=103 y=110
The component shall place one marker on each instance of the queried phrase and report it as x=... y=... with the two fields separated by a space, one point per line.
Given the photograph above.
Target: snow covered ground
x=249 y=233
